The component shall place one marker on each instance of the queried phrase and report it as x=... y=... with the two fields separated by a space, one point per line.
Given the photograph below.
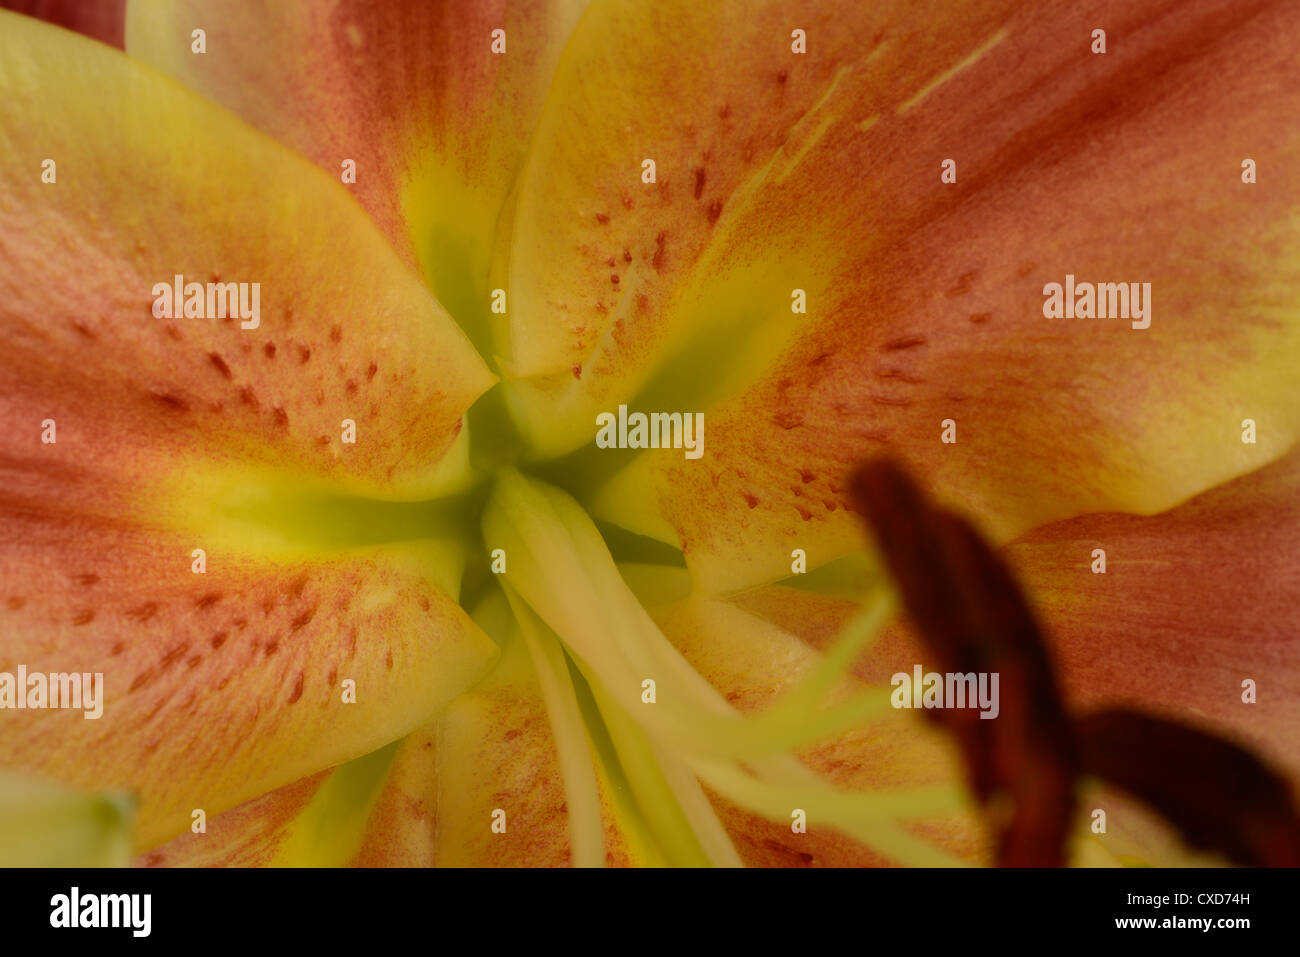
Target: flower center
x=667 y=730
x=620 y=695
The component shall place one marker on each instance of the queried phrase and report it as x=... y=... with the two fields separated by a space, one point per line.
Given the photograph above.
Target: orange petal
x=217 y=687
x=129 y=441
x=48 y=825
x=1193 y=602
x=496 y=753
x=249 y=835
x=821 y=172
x=151 y=182
x=492 y=749
x=412 y=91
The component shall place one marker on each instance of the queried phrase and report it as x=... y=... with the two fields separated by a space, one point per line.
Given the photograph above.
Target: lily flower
x=362 y=584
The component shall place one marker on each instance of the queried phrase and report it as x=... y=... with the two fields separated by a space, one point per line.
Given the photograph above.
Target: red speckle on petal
x=905 y=342
x=219 y=364
x=143 y=612
x=174 y=402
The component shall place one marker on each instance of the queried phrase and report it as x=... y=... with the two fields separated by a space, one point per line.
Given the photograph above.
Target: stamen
x=562 y=577
x=864 y=817
x=683 y=822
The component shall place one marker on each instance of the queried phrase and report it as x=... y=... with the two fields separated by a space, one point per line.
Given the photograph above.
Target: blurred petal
x=174 y=435
x=410 y=89
x=1135 y=836
x=821 y=172
x=1193 y=602
x=47 y=825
